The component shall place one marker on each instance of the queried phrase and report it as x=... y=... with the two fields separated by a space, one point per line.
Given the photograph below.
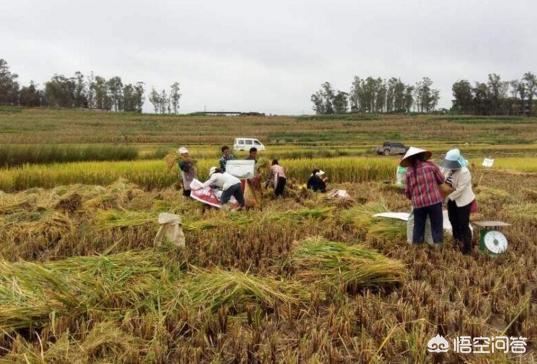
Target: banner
x=241 y=168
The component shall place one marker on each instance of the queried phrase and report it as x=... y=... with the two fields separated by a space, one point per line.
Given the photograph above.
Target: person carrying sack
x=422 y=180
x=230 y=185
x=187 y=166
x=461 y=200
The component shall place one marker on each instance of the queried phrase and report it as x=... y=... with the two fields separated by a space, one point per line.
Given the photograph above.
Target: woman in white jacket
x=461 y=199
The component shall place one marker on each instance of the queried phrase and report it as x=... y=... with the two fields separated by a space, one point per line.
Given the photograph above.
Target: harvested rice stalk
x=361 y=217
x=525 y=213
x=492 y=195
x=298 y=215
x=217 y=287
x=110 y=219
x=31 y=292
x=347 y=266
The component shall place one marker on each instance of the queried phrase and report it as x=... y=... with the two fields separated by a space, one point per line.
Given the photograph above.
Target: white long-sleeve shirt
x=461 y=181
x=221 y=180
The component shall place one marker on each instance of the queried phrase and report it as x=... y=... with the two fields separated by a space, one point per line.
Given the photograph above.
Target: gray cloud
x=269 y=56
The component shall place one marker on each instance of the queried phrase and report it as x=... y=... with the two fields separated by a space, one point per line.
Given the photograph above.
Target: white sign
x=241 y=168
x=487 y=162
x=479 y=344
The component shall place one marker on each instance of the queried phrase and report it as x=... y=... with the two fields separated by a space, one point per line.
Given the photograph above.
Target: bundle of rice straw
x=216 y=287
x=348 y=266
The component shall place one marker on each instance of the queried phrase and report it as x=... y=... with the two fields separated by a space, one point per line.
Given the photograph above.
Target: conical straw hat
x=413 y=151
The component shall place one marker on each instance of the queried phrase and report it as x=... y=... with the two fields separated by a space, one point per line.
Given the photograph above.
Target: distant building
x=227 y=113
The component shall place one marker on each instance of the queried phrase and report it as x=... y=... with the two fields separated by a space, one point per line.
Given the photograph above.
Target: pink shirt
x=277 y=171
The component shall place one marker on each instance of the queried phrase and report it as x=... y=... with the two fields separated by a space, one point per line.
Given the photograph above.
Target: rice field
x=304 y=279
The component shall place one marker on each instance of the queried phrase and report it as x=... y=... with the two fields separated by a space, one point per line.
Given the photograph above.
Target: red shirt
x=421 y=184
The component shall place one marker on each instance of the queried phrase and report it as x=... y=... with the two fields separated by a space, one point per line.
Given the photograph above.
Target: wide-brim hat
x=454 y=159
x=413 y=152
x=212 y=170
x=448 y=164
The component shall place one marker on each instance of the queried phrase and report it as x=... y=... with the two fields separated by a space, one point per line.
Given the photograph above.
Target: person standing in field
x=279 y=178
x=422 y=180
x=230 y=185
x=226 y=156
x=187 y=167
x=254 y=182
x=317 y=181
x=460 y=201
x=252 y=154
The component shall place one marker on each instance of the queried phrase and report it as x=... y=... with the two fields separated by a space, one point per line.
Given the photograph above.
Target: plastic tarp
x=409 y=218
x=209 y=195
x=394 y=215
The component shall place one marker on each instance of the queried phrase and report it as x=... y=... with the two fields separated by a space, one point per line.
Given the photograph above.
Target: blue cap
x=454 y=160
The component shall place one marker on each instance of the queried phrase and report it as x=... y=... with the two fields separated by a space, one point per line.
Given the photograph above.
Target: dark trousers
x=459 y=217
x=280 y=186
x=235 y=191
x=434 y=212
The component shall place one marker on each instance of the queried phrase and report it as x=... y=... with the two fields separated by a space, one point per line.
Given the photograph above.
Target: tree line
x=495 y=96
x=90 y=92
x=377 y=95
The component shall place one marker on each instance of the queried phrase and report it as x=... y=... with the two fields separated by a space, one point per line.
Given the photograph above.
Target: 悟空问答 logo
x=438 y=344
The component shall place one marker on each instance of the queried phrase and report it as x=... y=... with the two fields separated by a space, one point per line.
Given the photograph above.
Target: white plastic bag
x=428 y=236
x=343 y=194
x=170 y=230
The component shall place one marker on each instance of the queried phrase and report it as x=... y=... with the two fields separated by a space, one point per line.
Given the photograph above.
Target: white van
x=247 y=143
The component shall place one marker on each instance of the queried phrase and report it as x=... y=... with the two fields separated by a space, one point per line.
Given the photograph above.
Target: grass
x=16 y=155
x=246 y=285
x=34 y=126
x=154 y=174
x=151 y=174
x=80 y=280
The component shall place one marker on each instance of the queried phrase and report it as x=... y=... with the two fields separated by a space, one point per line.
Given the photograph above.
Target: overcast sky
x=268 y=56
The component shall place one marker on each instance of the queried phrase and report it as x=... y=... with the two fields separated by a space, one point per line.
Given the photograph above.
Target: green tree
x=154 y=98
x=530 y=84
x=426 y=97
x=80 y=94
x=340 y=102
x=409 y=98
x=60 y=91
x=318 y=104
x=115 y=93
x=356 y=95
x=9 y=86
x=30 y=96
x=139 y=96
x=100 y=91
x=463 y=99
x=175 y=95
x=481 y=98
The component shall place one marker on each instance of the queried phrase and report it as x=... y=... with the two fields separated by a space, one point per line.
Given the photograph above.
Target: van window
x=248 y=142
x=256 y=142
x=241 y=141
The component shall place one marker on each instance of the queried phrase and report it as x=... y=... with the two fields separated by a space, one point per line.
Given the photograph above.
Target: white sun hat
x=212 y=170
x=182 y=150
x=320 y=173
x=413 y=151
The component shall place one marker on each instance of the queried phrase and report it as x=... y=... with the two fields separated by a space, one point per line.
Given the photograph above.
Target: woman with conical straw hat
x=422 y=180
